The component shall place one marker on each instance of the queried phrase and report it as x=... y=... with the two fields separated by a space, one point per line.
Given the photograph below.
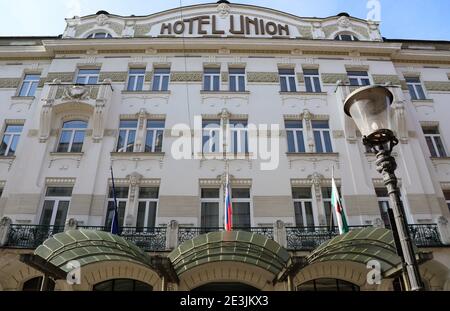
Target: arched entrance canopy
x=236 y=246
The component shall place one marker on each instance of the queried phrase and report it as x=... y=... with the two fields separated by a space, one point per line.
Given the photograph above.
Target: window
x=304 y=216
x=155 y=133
x=211 y=79
x=72 y=136
x=240 y=200
x=294 y=132
x=136 y=78
x=147 y=205
x=10 y=140
x=287 y=80
x=88 y=76
x=1 y=192
x=358 y=78
x=312 y=80
x=239 y=136
x=122 y=198
x=434 y=142
x=328 y=208
x=237 y=80
x=322 y=138
x=210 y=198
x=29 y=85
x=161 y=79
x=127 y=135
x=383 y=204
x=34 y=285
x=56 y=206
x=415 y=89
x=328 y=285
x=346 y=37
x=211 y=136
x=446 y=195
x=99 y=35
x=122 y=285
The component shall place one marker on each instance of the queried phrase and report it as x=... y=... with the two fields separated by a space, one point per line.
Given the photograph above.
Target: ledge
x=30 y=98
x=440 y=159
x=137 y=154
x=7 y=157
x=311 y=154
x=427 y=100
x=66 y=154
x=220 y=156
x=146 y=92
x=304 y=93
x=224 y=93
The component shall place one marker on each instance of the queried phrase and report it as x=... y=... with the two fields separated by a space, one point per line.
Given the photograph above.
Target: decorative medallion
x=224 y=10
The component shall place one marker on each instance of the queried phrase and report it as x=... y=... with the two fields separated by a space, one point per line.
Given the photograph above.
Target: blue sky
x=401 y=19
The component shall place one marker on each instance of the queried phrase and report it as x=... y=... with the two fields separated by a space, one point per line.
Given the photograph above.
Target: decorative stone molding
x=224 y=97
x=65 y=156
x=60 y=181
x=138 y=158
x=224 y=10
x=61 y=76
x=224 y=76
x=329 y=30
x=337 y=134
x=9 y=83
x=7 y=161
x=141 y=30
x=383 y=79
x=305 y=32
x=115 y=76
x=313 y=159
x=300 y=77
x=333 y=78
x=437 y=86
x=263 y=77
x=192 y=76
x=220 y=181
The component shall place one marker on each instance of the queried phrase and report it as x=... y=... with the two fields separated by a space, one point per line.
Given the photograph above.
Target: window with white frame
x=210 y=202
x=56 y=206
x=29 y=85
x=240 y=199
x=237 y=79
x=415 y=88
x=287 y=80
x=346 y=37
x=447 y=198
x=312 y=80
x=239 y=136
x=87 y=76
x=330 y=216
x=136 y=78
x=434 y=142
x=155 y=134
x=127 y=135
x=304 y=216
x=383 y=204
x=72 y=136
x=121 y=198
x=211 y=140
x=294 y=133
x=322 y=137
x=10 y=139
x=161 y=78
x=147 y=206
x=99 y=35
x=211 y=79
x=358 y=78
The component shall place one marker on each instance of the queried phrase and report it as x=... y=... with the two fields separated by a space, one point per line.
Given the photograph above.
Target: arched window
x=34 y=284
x=346 y=37
x=99 y=35
x=122 y=285
x=72 y=136
x=328 y=285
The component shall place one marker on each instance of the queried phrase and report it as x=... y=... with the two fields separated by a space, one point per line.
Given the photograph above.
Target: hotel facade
x=122 y=92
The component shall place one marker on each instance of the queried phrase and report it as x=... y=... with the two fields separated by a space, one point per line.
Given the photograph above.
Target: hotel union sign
x=211 y=25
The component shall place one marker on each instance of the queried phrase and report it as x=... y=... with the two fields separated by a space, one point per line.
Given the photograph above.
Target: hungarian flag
x=228 y=219
x=338 y=208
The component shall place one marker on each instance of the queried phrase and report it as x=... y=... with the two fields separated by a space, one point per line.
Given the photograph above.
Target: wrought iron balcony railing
x=188 y=233
x=30 y=236
x=154 y=238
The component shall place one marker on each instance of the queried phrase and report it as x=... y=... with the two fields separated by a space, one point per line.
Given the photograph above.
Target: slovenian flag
x=338 y=208
x=228 y=219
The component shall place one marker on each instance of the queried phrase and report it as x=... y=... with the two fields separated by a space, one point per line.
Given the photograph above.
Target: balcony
x=157 y=239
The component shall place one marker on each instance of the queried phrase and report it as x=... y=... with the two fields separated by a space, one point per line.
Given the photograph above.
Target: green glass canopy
x=236 y=246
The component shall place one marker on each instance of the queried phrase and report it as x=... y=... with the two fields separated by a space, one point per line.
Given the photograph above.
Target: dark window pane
x=24 y=89
x=148 y=192
x=47 y=212
x=33 y=88
x=59 y=192
x=162 y=71
x=13 y=145
x=207 y=83
x=165 y=83
x=320 y=124
x=301 y=193
x=131 y=81
x=283 y=84
x=241 y=215
x=75 y=124
x=317 y=84
x=210 y=215
x=308 y=85
x=309 y=214
x=310 y=72
x=216 y=83
x=233 y=84
x=121 y=192
x=286 y=71
x=318 y=142
x=290 y=140
x=64 y=141
x=155 y=124
x=156 y=81
x=298 y=214
x=92 y=80
x=240 y=193
x=440 y=146
x=431 y=147
x=300 y=142
x=61 y=213
x=327 y=139
x=241 y=83
x=293 y=124
x=210 y=193
x=357 y=73
x=128 y=124
x=140 y=219
x=292 y=85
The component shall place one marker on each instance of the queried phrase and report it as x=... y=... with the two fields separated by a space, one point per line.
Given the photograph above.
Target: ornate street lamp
x=369 y=107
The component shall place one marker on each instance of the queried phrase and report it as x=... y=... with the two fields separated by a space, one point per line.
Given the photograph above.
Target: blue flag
x=115 y=219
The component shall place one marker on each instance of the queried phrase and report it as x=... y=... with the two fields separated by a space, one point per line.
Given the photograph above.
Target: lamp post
x=369 y=107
